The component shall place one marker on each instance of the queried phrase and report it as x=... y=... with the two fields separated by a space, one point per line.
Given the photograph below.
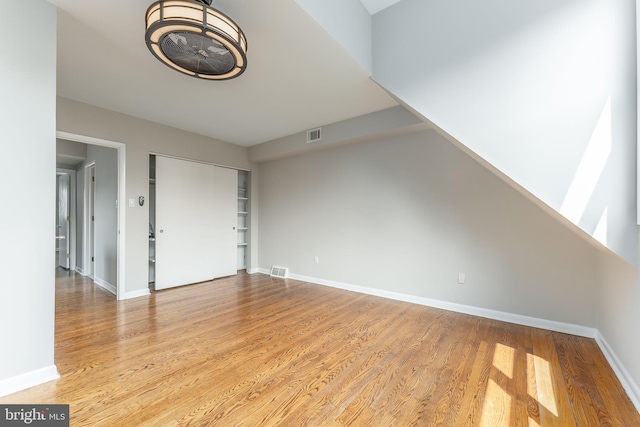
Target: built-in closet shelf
x=151 y=203
x=243 y=218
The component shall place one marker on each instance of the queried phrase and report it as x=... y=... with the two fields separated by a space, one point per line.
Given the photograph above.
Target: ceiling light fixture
x=196 y=39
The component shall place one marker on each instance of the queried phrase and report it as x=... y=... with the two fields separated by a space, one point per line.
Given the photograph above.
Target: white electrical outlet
x=317 y=260
x=462 y=278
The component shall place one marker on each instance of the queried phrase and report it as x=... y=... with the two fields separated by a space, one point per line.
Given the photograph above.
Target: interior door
x=225 y=220
x=62 y=228
x=184 y=222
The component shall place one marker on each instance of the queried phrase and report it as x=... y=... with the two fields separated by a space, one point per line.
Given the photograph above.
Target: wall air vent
x=281 y=272
x=314 y=135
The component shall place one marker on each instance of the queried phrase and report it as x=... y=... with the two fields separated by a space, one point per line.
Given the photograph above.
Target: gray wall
x=27 y=120
x=70 y=153
x=407 y=214
x=619 y=313
x=106 y=212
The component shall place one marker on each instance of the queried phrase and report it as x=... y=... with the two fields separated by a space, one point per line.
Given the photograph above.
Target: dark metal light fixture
x=196 y=39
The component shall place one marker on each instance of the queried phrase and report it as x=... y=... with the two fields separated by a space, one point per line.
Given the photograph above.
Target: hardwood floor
x=255 y=351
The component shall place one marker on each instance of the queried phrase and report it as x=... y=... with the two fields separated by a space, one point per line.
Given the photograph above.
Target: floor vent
x=314 y=135
x=282 y=272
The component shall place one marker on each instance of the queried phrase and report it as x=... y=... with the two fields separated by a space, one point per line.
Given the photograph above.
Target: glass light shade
x=195 y=39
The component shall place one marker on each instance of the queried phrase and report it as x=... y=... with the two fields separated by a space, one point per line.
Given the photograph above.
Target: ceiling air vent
x=282 y=272
x=314 y=135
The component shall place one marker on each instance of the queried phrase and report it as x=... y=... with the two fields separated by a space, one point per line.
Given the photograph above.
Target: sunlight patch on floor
x=543 y=389
x=496 y=410
x=503 y=359
x=532 y=423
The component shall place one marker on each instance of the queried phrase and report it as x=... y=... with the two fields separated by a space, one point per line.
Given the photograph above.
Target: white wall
x=141 y=138
x=407 y=214
x=545 y=91
x=351 y=26
x=27 y=120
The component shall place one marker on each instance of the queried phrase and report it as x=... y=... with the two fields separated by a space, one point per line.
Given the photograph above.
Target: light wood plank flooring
x=257 y=351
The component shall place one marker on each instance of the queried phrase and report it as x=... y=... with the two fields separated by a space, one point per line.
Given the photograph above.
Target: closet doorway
x=193 y=223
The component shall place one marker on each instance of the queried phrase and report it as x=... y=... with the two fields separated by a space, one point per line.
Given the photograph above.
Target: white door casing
x=121 y=217
x=89 y=220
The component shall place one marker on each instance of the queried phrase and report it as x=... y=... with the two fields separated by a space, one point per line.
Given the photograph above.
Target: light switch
x=132 y=203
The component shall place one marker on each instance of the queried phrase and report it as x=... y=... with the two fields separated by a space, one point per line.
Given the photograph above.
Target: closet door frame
x=210 y=204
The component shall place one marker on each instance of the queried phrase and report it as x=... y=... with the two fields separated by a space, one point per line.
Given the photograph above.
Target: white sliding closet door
x=225 y=221
x=185 y=207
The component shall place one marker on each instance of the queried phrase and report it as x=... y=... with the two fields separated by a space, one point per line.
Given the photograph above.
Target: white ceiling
x=297 y=77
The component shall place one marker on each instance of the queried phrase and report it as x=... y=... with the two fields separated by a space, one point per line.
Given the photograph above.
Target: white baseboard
x=27 y=380
x=518 y=319
x=254 y=270
x=261 y=270
x=136 y=294
x=623 y=375
x=105 y=285
x=80 y=271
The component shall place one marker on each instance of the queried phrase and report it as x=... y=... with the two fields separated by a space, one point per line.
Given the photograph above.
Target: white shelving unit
x=152 y=219
x=243 y=218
